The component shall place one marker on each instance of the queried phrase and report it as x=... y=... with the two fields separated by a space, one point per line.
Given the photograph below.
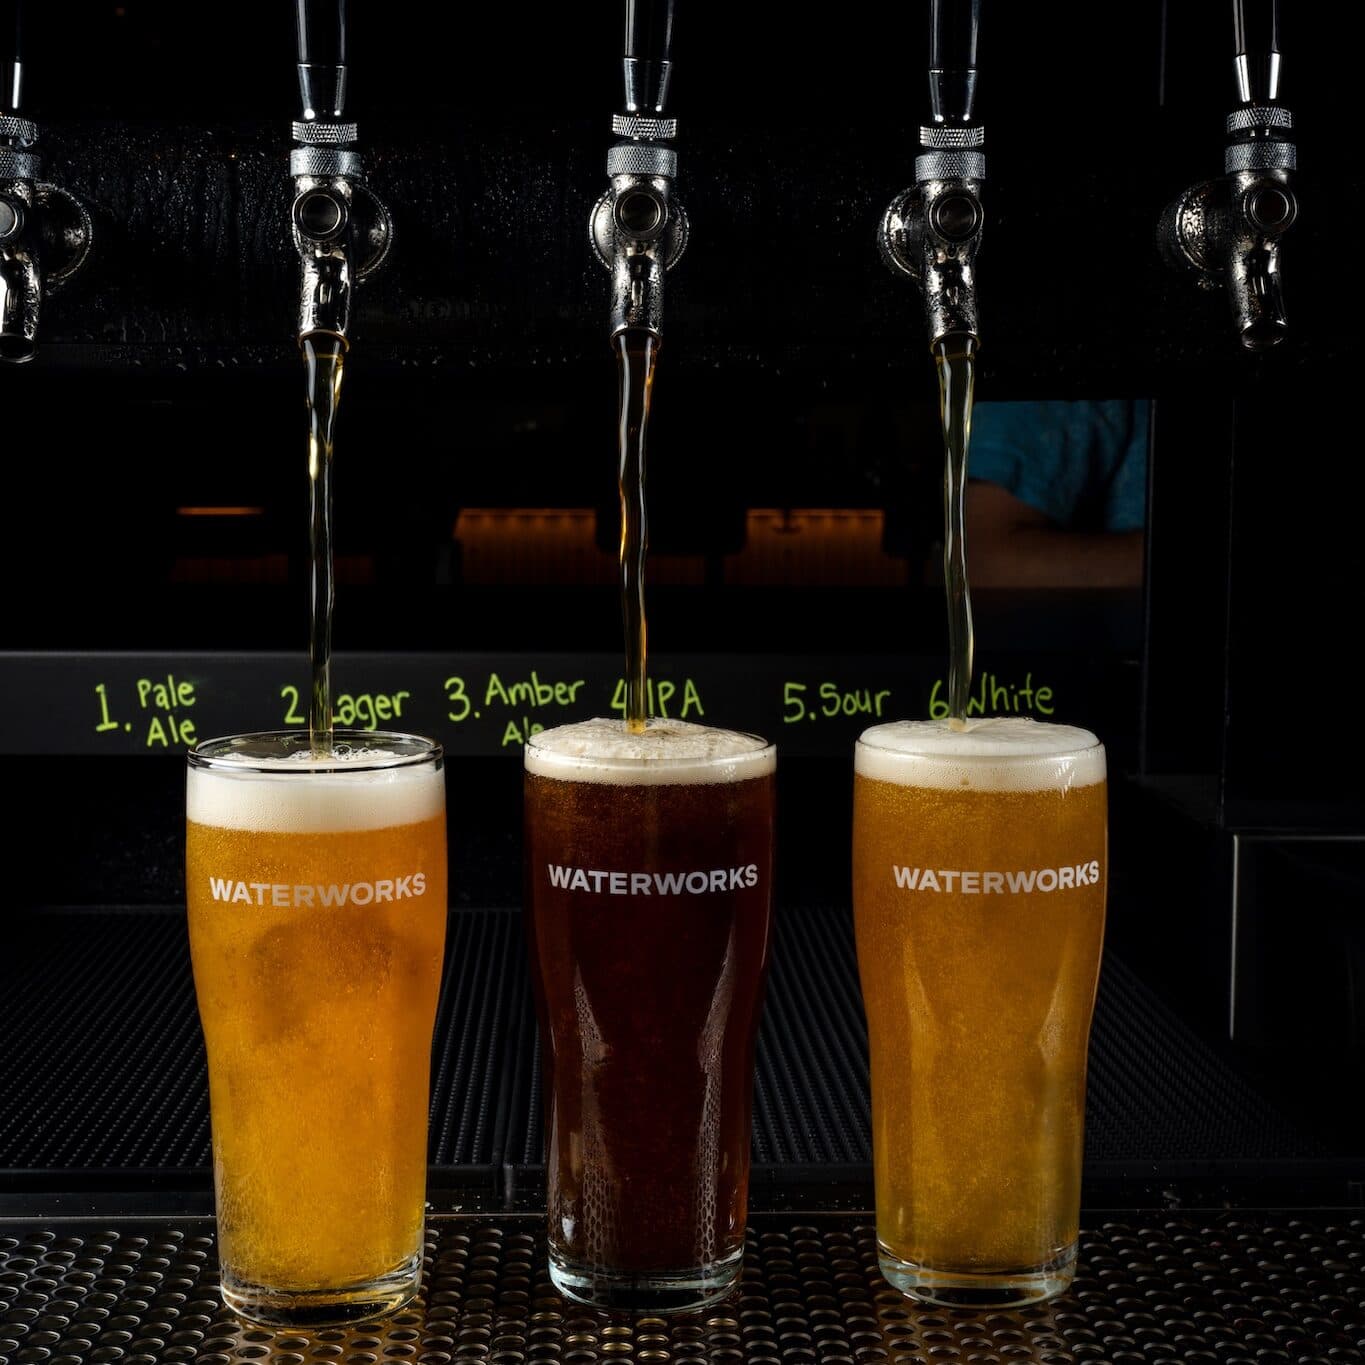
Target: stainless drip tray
x=1229 y=1289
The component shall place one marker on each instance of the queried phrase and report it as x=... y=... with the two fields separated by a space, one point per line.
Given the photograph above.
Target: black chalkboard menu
x=488 y=704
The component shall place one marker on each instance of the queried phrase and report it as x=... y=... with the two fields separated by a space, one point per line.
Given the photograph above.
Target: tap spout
x=21 y=292
x=639 y=231
x=21 y=284
x=1263 y=209
x=321 y=220
x=930 y=233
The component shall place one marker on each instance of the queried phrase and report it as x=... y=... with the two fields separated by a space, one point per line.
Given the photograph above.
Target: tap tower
x=340 y=226
x=638 y=228
x=931 y=231
x=45 y=231
x=1228 y=231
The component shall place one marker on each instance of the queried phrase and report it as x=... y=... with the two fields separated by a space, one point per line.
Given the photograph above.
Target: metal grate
x=1243 y=1290
x=103 y=1067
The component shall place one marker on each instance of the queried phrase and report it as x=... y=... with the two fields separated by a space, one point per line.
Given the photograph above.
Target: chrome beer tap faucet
x=341 y=228
x=931 y=231
x=1228 y=231
x=45 y=231
x=638 y=229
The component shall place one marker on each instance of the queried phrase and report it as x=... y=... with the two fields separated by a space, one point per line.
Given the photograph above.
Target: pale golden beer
x=979 y=862
x=317 y=909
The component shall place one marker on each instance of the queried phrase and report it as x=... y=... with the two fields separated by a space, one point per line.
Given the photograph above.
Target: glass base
x=979 y=1288
x=654 y=1291
x=324 y=1307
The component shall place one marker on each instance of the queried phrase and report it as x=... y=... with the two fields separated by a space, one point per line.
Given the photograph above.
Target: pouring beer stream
x=334 y=216
x=639 y=231
x=930 y=234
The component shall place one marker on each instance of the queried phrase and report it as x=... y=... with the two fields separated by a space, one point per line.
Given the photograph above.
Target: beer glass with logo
x=648 y=886
x=317 y=906
x=978 y=900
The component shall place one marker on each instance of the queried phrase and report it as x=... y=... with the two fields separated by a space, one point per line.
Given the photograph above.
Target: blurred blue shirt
x=1083 y=464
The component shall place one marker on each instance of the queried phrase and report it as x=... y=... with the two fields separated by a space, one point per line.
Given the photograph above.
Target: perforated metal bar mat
x=103 y=1065
x=1244 y=1290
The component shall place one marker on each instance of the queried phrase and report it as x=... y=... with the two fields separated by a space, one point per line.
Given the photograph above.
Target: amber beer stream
x=648 y=890
x=979 y=861
x=317 y=908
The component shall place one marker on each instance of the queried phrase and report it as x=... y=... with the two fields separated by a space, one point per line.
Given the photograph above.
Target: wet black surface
x=1233 y=1289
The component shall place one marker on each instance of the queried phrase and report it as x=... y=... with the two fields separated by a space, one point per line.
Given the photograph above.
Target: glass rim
x=213 y=755
x=762 y=748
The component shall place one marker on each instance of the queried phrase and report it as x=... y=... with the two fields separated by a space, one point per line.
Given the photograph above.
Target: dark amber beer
x=648 y=881
x=978 y=900
x=317 y=909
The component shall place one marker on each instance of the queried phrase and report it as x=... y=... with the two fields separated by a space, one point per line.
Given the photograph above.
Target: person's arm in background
x=1013 y=545
x=1057 y=494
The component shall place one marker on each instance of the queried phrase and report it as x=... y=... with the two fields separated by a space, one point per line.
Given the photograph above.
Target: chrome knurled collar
x=324 y=161
x=1259 y=116
x=949 y=165
x=938 y=137
x=641 y=158
x=317 y=134
x=1260 y=156
x=23 y=131
x=17 y=165
x=640 y=126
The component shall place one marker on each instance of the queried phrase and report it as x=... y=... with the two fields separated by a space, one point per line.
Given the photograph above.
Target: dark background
x=793 y=376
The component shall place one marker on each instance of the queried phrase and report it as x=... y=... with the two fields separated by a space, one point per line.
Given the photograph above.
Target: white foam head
x=999 y=753
x=669 y=751
x=352 y=789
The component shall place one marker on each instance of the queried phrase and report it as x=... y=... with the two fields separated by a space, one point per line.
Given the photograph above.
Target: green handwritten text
x=993 y=698
x=830 y=699
x=662 y=693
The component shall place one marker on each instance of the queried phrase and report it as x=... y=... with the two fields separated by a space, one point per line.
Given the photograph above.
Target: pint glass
x=978 y=900
x=648 y=884
x=317 y=908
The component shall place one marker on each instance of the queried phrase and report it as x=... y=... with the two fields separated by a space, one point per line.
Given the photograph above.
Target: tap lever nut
x=642 y=158
x=17 y=165
x=326 y=161
x=1259 y=156
x=950 y=165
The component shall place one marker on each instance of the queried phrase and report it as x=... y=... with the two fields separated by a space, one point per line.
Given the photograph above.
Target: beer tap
x=1228 y=231
x=931 y=231
x=341 y=228
x=45 y=231
x=638 y=229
